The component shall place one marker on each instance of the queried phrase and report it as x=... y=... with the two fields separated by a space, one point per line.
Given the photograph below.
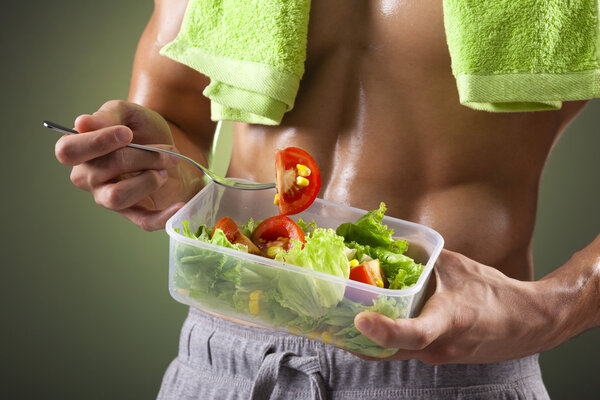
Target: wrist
x=571 y=296
x=191 y=178
x=542 y=317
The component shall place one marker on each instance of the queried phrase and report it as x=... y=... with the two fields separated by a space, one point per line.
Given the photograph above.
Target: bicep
x=170 y=88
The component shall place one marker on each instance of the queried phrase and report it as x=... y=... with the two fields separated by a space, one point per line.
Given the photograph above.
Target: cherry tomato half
x=277 y=231
x=234 y=235
x=369 y=272
x=297 y=178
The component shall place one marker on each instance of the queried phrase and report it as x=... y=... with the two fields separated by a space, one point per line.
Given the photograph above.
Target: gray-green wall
x=85 y=309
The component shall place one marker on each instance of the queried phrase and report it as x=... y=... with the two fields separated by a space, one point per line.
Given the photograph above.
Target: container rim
x=423 y=278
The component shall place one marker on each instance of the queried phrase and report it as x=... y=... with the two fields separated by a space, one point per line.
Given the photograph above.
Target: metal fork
x=215 y=178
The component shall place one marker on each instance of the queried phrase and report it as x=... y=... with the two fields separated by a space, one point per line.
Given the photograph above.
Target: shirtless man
x=379 y=111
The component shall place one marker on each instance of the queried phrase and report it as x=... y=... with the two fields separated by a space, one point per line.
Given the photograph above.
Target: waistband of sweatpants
x=342 y=369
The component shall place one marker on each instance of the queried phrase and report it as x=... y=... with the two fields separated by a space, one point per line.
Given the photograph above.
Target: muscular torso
x=378 y=109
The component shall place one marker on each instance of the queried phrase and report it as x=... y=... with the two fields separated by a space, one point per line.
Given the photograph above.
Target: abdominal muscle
x=378 y=109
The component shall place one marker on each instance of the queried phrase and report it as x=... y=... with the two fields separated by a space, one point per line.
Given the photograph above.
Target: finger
x=111 y=113
x=126 y=161
x=98 y=120
x=130 y=191
x=150 y=220
x=404 y=333
x=76 y=149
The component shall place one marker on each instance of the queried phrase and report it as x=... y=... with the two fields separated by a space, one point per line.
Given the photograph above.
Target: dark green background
x=85 y=309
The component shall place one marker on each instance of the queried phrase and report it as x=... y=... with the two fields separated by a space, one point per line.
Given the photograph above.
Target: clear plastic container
x=281 y=296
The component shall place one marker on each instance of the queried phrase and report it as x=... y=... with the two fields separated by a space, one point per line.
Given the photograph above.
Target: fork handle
x=215 y=178
x=68 y=131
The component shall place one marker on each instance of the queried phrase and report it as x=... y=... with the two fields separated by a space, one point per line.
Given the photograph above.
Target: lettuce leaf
x=324 y=251
x=368 y=230
x=306 y=227
x=249 y=227
x=223 y=283
x=368 y=236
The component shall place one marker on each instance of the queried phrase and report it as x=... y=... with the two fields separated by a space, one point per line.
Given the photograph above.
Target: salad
x=283 y=295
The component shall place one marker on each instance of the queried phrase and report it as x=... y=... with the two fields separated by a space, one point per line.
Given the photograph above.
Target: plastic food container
x=281 y=296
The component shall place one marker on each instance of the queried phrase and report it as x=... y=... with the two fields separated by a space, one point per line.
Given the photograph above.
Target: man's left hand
x=476 y=315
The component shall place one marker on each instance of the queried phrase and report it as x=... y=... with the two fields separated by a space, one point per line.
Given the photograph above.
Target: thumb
x=403 y=333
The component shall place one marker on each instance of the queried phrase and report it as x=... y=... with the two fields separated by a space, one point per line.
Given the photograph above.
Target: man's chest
x=394 y=38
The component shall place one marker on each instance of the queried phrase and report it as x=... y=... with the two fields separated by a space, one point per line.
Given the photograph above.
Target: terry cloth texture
x=252 y=50
x=523 y=55
x=219 y=359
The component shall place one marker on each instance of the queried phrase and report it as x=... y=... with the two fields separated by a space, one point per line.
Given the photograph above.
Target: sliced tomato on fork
x=297 y=178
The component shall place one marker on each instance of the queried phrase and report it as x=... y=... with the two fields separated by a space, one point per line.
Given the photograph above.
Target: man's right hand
x=145 y=187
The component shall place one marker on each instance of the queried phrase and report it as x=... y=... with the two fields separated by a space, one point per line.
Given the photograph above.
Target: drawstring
x=267 y=375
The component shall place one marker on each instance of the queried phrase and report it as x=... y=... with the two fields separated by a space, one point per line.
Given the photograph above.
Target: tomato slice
x=293 y=164
x=234 y=235
x=277 y=231
x=369 y=272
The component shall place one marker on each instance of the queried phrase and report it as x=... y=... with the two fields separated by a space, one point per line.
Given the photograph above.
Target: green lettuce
x=227 y=284
x=324 y=251
x=368 y=236
x=368 y=230
x=249 y=227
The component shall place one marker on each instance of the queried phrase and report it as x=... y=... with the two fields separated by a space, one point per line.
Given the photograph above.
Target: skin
x=378 y=109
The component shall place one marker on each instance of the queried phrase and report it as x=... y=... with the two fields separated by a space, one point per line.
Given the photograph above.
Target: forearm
x=173 y=90
x=572 y=294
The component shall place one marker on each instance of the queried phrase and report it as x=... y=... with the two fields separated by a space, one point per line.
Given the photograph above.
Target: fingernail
x=163 y=173
x=364 y=325
x=123 y=136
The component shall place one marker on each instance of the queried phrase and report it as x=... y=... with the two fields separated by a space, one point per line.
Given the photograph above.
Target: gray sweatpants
x=219 y=359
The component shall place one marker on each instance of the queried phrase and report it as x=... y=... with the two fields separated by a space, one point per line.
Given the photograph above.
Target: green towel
x=523 y=55
x=252 y=50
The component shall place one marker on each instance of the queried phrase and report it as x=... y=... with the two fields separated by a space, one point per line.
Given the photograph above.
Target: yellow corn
x=313 y=335
x=353 y=263
x=379 y=282
x=327 y=337
x=256 y=295
x=302 y=181
x=272 y=251
x=303 y=170
x=254 y=307
x=276 y=199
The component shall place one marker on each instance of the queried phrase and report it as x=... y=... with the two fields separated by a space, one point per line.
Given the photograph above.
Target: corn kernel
x=313 y=335
x=276 y=199
x=379 y=282
x=327 y=337
x=254 y=307
x=303 y=170
x=272 y=251
x=256 y=295
x=353 y=263
x=302 y=181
